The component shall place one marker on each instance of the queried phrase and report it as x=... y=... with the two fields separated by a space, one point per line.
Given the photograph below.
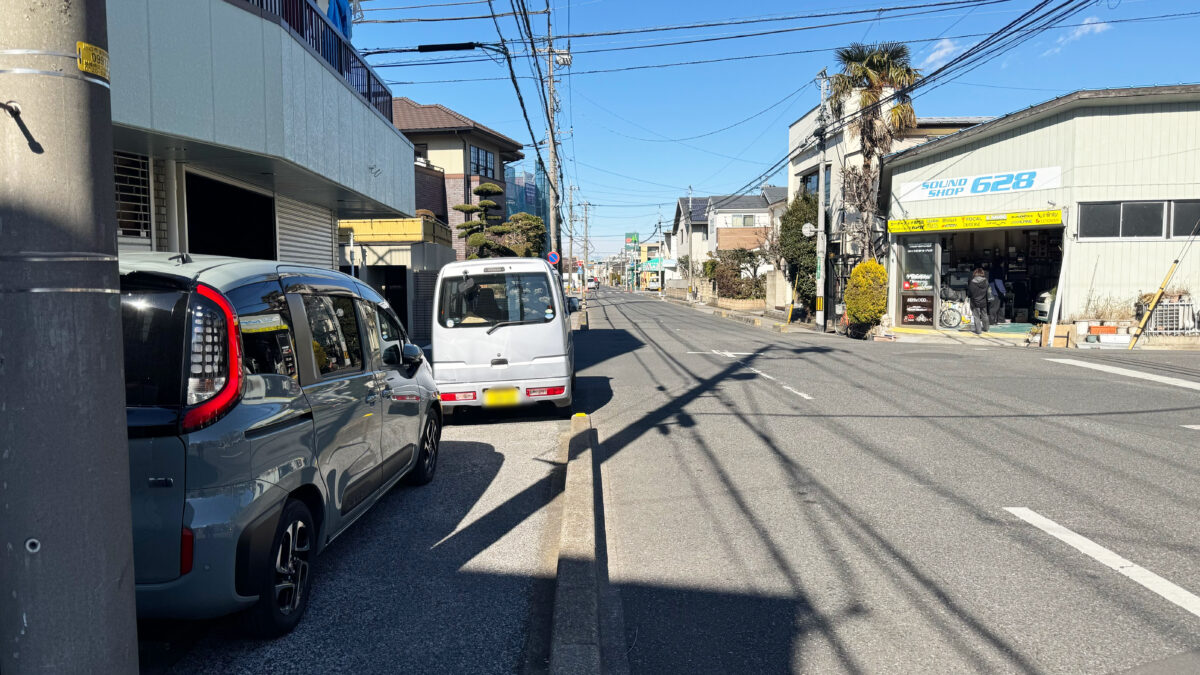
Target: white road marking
x=798 y=393
x=1161 y=379
x=1143 y=576
x=1193 y=427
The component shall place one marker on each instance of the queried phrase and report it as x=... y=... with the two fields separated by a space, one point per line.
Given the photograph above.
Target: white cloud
x=1091 y=26
x=943 y=51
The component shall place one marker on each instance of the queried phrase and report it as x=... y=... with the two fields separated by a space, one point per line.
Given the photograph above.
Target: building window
x=1127 y=220
x=483 y=163
x=808 y=184
x=131 y=173
x=421 y=151
x=1184 y=217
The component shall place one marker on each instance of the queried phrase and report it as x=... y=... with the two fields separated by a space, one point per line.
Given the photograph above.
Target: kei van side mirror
x=572 y=305
x=412 y=354
x=391 y=356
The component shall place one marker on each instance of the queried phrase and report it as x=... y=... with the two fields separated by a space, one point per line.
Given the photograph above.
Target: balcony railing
x=311 y=27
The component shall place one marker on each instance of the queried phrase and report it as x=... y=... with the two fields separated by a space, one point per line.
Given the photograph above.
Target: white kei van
x=502 y=335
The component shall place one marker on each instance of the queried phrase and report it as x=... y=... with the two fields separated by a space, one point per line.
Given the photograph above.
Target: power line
x=520 y=99
x=436 y=4
x=413 y=19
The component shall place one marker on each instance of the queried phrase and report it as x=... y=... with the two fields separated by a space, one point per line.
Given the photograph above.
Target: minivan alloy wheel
x=291 y=567
x=429 y=453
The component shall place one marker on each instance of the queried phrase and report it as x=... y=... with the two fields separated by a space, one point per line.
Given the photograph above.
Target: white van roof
x=480 y=265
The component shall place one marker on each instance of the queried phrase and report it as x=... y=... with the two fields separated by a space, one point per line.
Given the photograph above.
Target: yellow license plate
x=499 y=398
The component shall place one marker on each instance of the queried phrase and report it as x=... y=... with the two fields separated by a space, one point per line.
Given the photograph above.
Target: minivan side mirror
x=572 y=305
x=412 y=354
x=391 y=356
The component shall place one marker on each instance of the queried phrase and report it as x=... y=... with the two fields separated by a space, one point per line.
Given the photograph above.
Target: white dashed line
x=798 y=393
x=1193 y=427
x=1161 y=379
x=1143 y=576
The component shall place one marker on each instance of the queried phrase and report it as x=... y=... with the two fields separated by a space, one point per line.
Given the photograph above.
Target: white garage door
x=306 y=233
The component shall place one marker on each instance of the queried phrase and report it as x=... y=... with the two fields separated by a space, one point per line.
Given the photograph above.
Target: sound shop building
x=1094 y=192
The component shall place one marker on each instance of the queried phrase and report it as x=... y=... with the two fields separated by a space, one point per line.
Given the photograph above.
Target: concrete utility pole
x=822 y=121
x=586 y=250
x=571 y=230
x=552 y=145
x=66 y=544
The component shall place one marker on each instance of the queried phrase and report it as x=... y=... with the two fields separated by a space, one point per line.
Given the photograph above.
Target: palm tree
x=880 y=74
x=875 y=72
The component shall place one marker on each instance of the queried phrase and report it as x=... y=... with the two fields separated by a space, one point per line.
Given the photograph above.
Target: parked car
x=268 y=406
x=591 y=283
x=1044 y=305
x=502 y=335
x=653 y=285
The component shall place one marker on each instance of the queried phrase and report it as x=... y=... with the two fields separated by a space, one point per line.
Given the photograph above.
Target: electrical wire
x=436 y=4
x=414 y=19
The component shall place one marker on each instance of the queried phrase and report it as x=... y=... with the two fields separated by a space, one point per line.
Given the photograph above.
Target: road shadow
x=396 y=590
x=597 y=345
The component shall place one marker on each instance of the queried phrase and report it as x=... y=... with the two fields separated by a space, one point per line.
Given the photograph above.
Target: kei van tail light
x=187 y=550
x=457 y=396
x=214 y=366
x=545 y=391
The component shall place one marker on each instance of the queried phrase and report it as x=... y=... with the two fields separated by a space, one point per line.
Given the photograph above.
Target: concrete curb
x=575 y=634
x=763 y=322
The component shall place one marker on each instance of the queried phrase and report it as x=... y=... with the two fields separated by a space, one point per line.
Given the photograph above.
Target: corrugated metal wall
x=1107 y=153
x=305 y=233
x=424 y=283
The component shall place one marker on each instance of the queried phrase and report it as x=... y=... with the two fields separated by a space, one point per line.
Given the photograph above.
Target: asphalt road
x=452 y=577
x=810 y=503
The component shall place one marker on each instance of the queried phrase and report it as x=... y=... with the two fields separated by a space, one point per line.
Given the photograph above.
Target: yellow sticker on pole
x=91 y=59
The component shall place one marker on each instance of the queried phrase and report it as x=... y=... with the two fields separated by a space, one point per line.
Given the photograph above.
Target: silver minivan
x=268 y=406
x=502 y=335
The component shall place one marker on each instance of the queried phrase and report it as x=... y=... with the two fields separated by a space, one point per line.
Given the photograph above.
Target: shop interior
x=1027 y=260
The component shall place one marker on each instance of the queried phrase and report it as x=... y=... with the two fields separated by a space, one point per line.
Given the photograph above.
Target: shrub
x=866 y=293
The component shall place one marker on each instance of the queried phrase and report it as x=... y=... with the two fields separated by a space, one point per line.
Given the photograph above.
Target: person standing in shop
x=977 y=293
x=996 y=300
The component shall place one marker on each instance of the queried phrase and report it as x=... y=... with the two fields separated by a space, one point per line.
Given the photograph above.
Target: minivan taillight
x=214 y=363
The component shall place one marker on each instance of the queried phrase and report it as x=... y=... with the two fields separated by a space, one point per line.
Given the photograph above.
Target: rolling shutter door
x=305 y=233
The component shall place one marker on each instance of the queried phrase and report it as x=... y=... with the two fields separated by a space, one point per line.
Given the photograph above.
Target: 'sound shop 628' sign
x=975 y=186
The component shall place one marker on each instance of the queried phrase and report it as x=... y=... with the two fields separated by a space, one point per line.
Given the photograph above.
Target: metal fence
x=311 y=27
x=1173 y=318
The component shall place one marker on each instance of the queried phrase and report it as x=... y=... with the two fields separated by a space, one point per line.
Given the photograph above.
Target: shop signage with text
x=1025 y=180
x=1022 y=219
x=916 y=310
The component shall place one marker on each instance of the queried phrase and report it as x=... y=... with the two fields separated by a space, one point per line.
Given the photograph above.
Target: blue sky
x=616 y=128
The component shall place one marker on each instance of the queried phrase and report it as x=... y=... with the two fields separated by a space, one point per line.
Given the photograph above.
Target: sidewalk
x=766 y=319
x=959 y=337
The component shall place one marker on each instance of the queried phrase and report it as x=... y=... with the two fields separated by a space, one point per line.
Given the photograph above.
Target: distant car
x=268 y=407
x=591 y=284
x=1043 y=306
x=653 y=286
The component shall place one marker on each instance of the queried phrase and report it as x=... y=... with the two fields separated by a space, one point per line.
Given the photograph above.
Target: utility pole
x=552 y=143
x=571 y=230
x=822 y=121
x=586 y=250
x=66 y=543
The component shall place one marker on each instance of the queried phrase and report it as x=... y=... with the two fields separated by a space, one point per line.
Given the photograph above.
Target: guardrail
x=311 y=27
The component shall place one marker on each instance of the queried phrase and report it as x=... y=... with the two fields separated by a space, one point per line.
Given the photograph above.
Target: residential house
x=743 y=221
x=688 y=237
x=247 y=128
x=842 y=151
x=454 y=155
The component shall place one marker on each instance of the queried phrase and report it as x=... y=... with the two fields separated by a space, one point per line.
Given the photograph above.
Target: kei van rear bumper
x=522 y=386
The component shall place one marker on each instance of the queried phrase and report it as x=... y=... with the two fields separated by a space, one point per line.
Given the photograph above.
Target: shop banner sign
x=631 y=241
x=980 y=222
x=916 y=310
x=1025 y=180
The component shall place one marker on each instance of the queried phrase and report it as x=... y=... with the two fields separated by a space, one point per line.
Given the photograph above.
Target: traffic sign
x=553 y=257
x=808 y=230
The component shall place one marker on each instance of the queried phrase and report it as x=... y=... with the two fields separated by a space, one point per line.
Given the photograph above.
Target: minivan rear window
x=481 y=300
x=153 y=321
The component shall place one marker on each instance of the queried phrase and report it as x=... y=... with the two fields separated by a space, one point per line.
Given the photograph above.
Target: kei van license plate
x=499 y=398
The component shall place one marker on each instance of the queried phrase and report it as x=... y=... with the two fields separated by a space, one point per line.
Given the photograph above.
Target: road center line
x=1161 y=379
x=1193 y=427
x=1143 y=576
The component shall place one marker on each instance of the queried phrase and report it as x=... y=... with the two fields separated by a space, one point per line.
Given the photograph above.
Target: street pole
x=822 y=120
x=586 y=251
x=571 y=230
x=66 y=547
x=555 y=228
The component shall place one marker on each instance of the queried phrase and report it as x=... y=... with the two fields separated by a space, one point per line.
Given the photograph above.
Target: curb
x=575 y=633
